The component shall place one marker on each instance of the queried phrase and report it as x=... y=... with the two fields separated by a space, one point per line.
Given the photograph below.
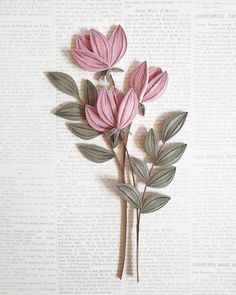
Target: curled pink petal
x=118 y=44
x=94 y=119
x=128 y=109
x=83 y=42
x=117 y=95
x=153 y=72
x=156 y=87
x=89 y=60
x=106 y=107
x=139 y=80
x=100 y=45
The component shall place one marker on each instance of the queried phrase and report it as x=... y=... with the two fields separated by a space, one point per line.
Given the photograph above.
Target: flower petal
x=100 y=45
x=106 y=107
x=89 y=60
x=153 y=72
x=139 y=80
x=118 y=43
x=156 y=87
x=94 y=119
x=118 y=95
x=128 y=109
x=83 y=42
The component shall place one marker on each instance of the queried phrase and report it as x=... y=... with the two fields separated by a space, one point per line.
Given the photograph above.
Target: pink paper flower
x=95 y=53
x=113 y=110
x=148 y=83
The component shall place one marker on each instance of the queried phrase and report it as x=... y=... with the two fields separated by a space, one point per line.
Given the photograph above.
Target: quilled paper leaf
x=115 y=136
x=71 y=111
x=151 y=143
x=83 y=130
x=91 y=93
x=130 y=194
x=96 y=153
x=64 y=83
x=154 y=202
x=171 y=154
x=117 y=69
x=173 y=124
x=140 y=169
x=162 y=177
x=141 y=108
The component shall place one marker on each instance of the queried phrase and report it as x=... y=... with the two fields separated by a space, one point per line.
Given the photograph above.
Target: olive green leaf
x=130 y=194
x=83 y=130
x=96 y=153
x=172 y=125
x=91 y=94
x=116 y=69
x=154 y=202
x=140 y=168
x=151 y=143
x=141 y=108
x=115 y=136
x=64 y=83
x=162 y=177
x=71 y=111
x=171 y=154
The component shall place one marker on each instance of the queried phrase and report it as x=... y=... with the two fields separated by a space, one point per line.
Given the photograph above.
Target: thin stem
x=124 y=220
x=123 y=251
x=139 y=214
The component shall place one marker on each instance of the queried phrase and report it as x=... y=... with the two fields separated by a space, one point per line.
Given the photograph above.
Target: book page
x=60 y=214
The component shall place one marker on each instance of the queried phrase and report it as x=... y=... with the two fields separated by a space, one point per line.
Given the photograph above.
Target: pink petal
x=83 y=42
x=128 y=109
x=100 y=45
x=94 y=120
x=106 y=107
x=153 y=72
x=118 y=43
x=89 y=60
x=139 y=80
x=156 y=87
x=118 y=95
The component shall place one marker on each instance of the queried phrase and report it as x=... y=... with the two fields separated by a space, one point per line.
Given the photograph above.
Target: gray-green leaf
x=162 y=177
x=96 y=153
x=64 y=83
x=71 y=111
x=91 y=94
x=171 y=154
x=173 y=124
x=140 y=168
x=115 y=135
x=83 y=130
x=154 y=202
x=130 y=194
x=141 y=108
x=151 y=143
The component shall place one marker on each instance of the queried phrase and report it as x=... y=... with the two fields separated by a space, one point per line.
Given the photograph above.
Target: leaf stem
x=139 y=214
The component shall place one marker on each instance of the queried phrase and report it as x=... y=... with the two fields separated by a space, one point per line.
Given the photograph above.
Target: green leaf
x=141 y=108
x=96 y=153
x=115 y=136
x=83 y=130
x=64 y=83
x=171 y=154
x=162 y=177
x=115 y=69
x=154 y=202
x=71 y=111
x=173 y=124
x=140 y=168
x=130 y=194
x=91 y=93
x=151 y=143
